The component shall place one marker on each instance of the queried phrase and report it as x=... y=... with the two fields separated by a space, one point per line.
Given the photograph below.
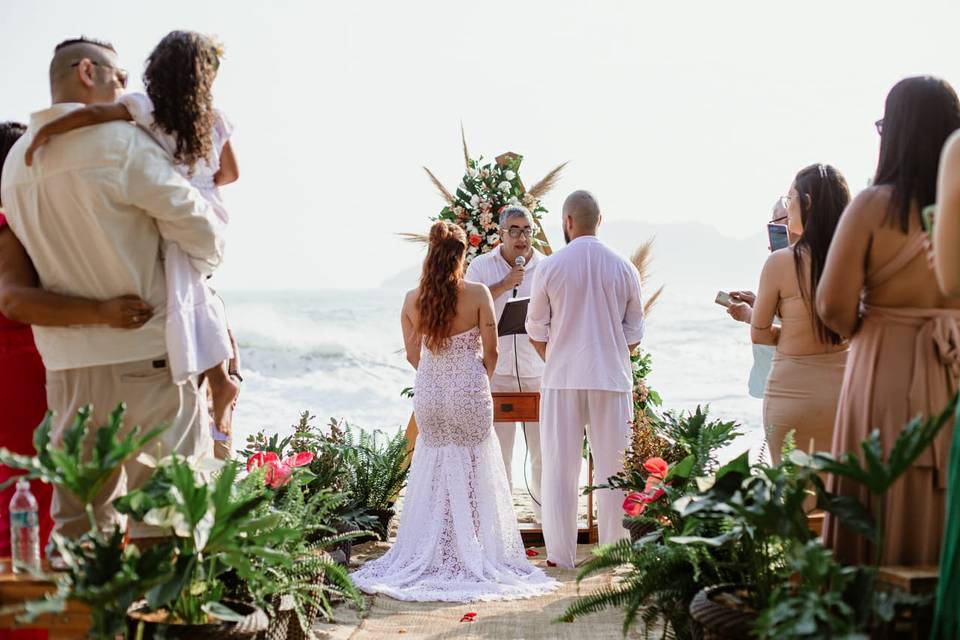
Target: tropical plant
x=313 y=577
x=216 y=528
x=376 y=470
x=99 y=570
x=662 y=576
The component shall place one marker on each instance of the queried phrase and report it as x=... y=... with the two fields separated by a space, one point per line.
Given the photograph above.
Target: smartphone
x=723 y=299
x=779 y=238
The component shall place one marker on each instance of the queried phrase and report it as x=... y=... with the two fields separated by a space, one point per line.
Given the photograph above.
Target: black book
x=514 y=318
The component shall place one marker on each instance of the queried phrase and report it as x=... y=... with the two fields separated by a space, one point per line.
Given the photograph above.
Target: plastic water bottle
x=24 y=529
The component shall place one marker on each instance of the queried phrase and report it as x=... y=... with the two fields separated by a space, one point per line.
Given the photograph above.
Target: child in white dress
x=178 y=112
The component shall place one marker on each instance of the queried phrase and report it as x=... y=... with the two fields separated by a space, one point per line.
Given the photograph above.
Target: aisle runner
x=532 y=618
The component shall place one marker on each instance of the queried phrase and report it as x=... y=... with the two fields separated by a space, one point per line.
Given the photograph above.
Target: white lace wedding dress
x=458 y=539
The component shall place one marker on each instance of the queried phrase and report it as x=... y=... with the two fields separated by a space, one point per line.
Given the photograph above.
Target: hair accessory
x=823 y=171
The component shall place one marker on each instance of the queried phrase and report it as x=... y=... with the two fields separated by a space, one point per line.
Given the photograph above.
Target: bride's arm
x=488 y=331
x=411 y=337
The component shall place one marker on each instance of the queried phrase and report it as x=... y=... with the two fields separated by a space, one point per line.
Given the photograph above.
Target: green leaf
x=221 y=611
x=682 y=469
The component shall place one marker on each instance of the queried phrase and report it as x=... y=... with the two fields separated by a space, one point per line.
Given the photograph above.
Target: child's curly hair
x=178 y=78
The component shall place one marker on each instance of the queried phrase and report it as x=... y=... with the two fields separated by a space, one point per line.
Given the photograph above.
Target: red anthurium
x=634 y=504
x=261 y=458
x=301 y=459
x=657 y=467
x=649 y=496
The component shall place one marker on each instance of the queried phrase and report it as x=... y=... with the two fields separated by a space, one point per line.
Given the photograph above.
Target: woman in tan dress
x=904 y=360
x=807 y=372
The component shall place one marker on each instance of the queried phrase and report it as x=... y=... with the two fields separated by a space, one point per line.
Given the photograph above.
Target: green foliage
x=658 y=586
x=376 y=470
x=69 y=466
x=217 y=528
x=811 y=605
x=698 y=436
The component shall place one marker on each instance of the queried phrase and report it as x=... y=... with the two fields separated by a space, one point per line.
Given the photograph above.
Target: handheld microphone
x=519 y=262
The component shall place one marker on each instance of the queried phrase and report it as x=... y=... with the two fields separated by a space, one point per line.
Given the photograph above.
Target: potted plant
x=217 y=530
x=297 y=595
x=100 y=570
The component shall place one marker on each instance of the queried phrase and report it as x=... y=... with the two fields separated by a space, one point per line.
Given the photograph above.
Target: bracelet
x=235 y=374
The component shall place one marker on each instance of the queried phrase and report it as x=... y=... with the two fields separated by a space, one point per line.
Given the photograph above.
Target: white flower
x=473 y=251
x=473 y=173
x=504 y=186
x=474 y=200
x=463 y=187
x=492 y=238
x=514 y=201
x=509 y=175
x=471 y=228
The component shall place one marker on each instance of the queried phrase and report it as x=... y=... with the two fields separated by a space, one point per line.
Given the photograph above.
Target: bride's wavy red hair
x=440 y=283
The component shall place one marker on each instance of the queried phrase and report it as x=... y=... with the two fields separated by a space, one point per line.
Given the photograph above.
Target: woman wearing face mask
x=807 y=371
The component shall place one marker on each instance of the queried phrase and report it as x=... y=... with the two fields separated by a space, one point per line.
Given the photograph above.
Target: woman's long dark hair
x=823 y=195
x=179 y=78
x=919 y=116
x=440 y=283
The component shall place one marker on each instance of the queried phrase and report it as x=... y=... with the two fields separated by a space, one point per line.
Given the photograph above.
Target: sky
x=668 y=112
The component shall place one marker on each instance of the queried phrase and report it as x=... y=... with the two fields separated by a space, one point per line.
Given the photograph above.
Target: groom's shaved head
x=583 y=209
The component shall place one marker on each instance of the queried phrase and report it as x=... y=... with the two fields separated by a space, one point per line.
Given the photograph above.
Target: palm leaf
x=439 y=185
x=550 y=180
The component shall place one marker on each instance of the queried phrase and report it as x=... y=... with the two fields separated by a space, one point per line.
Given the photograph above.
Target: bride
x=458 y=539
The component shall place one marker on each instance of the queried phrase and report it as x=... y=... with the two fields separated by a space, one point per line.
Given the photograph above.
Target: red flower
x=278 y=473
x=475 y=240
x=301 y=459
x=261 y=458
x=633 y=504
x=657 y=467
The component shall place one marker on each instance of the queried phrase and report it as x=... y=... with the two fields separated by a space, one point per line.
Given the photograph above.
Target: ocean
x=339 y=354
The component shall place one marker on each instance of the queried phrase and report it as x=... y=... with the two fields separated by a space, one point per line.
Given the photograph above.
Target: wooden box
x=516 y=407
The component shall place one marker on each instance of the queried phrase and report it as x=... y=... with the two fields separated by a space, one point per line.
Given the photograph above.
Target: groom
x=585 y=318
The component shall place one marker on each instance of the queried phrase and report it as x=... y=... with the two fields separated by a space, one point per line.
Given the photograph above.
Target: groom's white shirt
x=91 y=212
x=585 y=304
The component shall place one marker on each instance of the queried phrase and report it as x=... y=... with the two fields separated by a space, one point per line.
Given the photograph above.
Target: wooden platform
x=18 y=588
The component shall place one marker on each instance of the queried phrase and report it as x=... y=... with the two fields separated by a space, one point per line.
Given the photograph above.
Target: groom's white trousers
x=564 y=416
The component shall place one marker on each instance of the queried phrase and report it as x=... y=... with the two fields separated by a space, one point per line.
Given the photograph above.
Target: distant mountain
x=683 y=254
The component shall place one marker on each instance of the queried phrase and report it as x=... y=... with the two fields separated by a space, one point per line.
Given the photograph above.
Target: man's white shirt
x=91 y=212
x=489 y=269
x=585 y=304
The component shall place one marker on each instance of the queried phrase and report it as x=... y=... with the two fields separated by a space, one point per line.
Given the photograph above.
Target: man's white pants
x=507 y=434
x=565 y=414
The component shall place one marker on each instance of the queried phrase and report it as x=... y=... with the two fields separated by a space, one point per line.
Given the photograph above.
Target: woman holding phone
x=807 y=372
x=879 y=289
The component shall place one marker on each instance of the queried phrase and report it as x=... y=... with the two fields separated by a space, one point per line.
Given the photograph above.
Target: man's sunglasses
x=121 y=74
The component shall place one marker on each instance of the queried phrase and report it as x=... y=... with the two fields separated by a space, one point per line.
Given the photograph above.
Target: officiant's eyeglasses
x=121 y=74
x=516 y=232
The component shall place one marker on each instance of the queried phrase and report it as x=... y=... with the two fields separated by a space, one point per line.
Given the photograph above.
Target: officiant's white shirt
x=489 y=269
x=585 y=304
x=91 y=212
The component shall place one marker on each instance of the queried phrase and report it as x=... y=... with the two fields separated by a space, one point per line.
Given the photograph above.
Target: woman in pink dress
x=878 y=288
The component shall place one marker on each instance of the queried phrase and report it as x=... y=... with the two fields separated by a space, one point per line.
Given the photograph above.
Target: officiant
x=507 y=271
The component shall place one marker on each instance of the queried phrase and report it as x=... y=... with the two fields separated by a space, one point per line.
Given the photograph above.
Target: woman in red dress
x=23 y=398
